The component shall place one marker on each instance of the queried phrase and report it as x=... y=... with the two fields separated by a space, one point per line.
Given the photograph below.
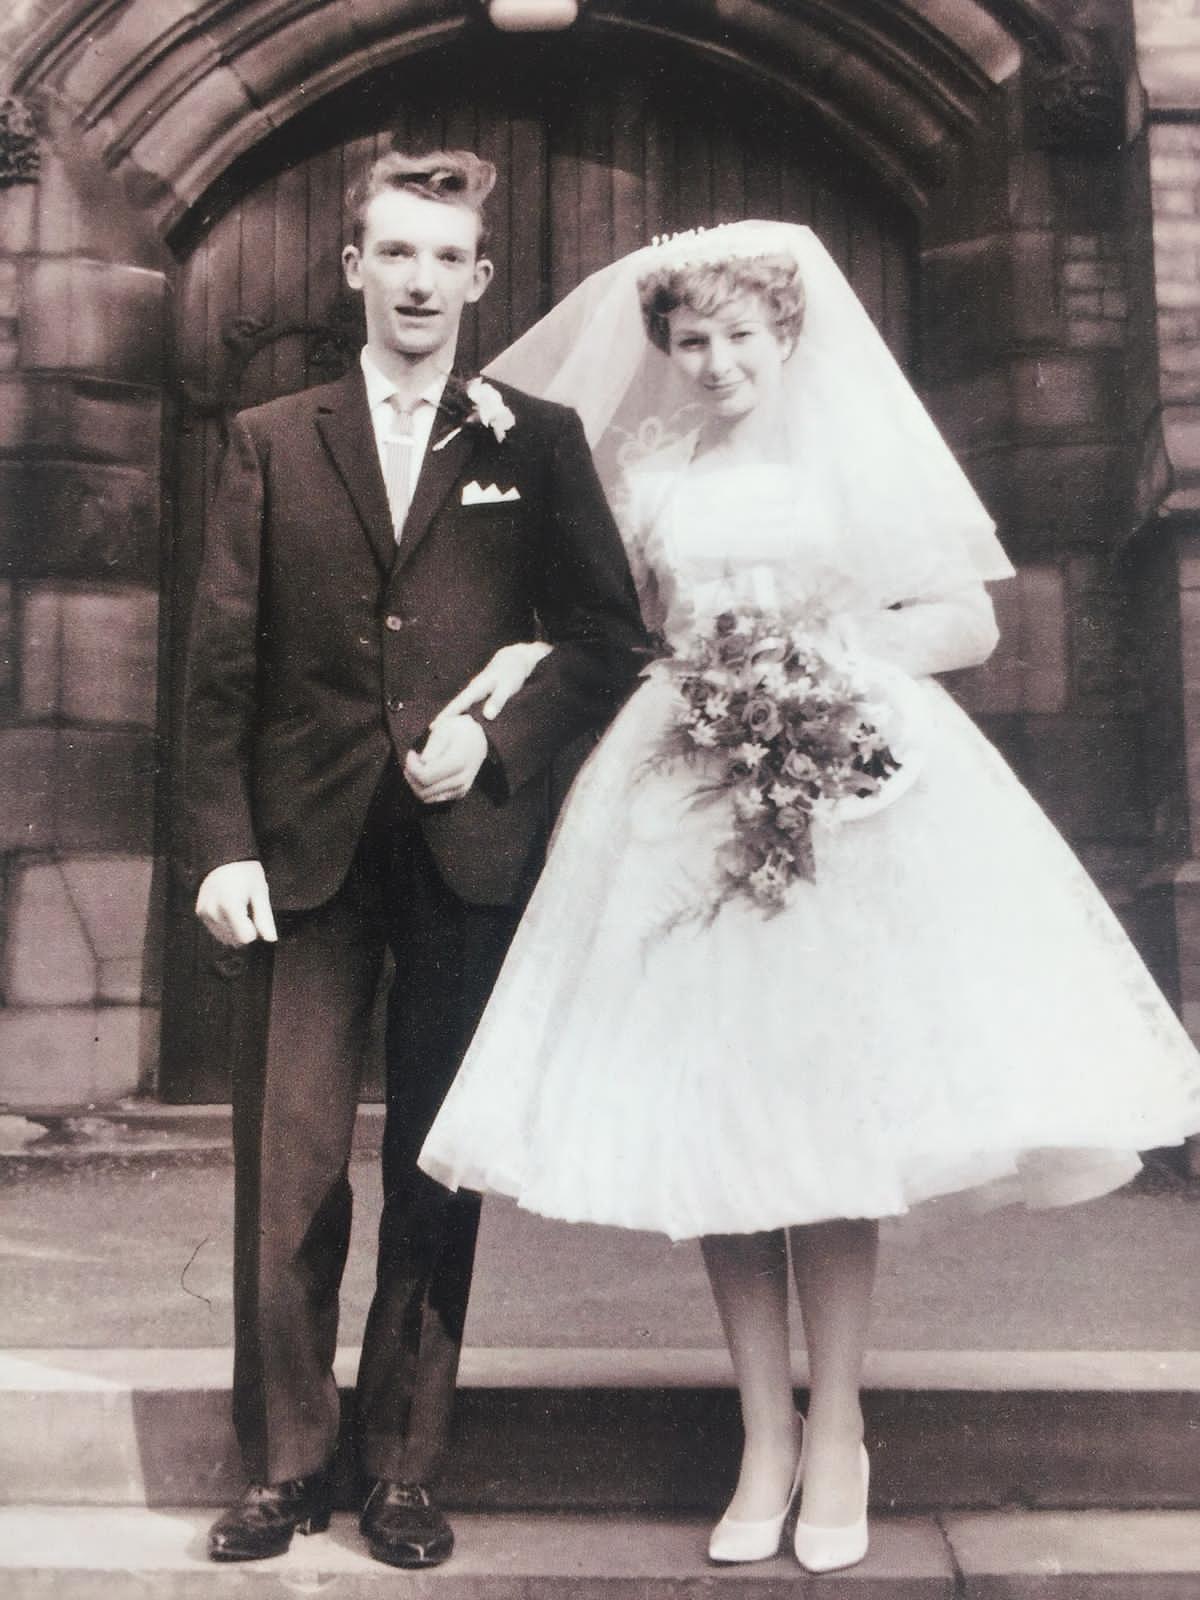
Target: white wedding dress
x=950 y=1007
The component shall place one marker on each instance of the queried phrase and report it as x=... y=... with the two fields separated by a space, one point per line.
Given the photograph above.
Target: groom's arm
x=589 y=613
x=222 y=666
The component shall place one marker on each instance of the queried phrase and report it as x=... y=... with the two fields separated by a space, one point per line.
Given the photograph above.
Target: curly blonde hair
x=704 y=286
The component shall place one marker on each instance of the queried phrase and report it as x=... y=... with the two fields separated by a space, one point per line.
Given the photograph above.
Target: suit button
x=394 y=703
x=393 y=623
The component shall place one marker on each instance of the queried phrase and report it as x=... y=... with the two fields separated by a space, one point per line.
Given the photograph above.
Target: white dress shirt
x=384 y=422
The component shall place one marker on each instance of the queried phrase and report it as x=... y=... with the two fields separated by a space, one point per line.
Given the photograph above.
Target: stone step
x=113 y=1553
x=639 y=1431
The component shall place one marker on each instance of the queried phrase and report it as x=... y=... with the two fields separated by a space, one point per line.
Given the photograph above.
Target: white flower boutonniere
x=488 y=409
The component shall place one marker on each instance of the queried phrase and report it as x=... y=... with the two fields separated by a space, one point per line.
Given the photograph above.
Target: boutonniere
x=488 y=410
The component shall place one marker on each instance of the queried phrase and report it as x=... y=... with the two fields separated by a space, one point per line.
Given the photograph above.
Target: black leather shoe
x=268 y=1514
x=403 y=1527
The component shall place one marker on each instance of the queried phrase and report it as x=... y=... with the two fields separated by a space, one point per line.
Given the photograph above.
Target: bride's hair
x=705 y=286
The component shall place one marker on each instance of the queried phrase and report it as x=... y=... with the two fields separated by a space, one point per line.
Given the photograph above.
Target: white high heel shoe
x=734 y=1540
x=830 y=1549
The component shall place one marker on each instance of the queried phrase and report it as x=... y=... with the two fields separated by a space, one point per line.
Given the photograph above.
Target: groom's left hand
x=449 y=763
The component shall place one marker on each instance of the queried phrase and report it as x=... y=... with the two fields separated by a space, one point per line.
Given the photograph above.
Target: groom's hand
x=449 y=763
x=235 y=905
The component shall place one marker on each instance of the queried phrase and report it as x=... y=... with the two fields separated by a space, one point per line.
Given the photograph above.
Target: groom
x=372 y=543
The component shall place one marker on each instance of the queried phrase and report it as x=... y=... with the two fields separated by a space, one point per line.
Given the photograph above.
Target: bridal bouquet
x=784 y=731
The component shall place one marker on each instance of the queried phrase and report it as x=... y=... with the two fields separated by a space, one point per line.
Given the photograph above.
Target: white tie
x=397 y=463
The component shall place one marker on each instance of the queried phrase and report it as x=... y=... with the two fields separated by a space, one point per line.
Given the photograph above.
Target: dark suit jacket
x=318 y=648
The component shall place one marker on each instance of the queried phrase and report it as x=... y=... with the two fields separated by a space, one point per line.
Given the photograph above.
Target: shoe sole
x=411 y=1563
x=316 y=1524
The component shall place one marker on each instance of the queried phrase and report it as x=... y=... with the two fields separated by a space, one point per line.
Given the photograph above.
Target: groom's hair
x=455 y=177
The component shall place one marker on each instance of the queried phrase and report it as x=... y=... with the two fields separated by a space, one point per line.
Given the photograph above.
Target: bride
x=941 y=1004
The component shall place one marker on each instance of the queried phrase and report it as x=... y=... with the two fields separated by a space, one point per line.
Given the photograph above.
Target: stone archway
x=969 y=112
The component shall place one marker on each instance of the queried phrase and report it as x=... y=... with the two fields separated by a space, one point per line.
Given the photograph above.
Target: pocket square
x=475 y=494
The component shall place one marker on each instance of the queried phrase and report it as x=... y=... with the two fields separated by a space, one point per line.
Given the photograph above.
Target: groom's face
x=416 y=269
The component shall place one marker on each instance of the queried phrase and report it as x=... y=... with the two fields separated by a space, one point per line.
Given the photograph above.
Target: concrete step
x=114 y=1553
x=652 y=1431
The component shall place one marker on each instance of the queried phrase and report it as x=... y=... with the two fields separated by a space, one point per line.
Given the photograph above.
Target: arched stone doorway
x=597 y=152
x=1004 y=132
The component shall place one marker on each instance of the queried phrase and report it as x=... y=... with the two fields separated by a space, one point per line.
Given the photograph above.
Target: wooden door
x=596 y=153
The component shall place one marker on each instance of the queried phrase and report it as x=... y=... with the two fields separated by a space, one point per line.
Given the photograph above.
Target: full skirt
x=950 y=1008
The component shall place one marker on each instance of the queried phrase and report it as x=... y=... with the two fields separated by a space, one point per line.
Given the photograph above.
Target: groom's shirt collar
x=380 y=388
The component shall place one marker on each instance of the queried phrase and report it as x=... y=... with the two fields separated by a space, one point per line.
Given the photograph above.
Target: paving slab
x=113 y=1554
x=1088 y=1555
x=115 y=1252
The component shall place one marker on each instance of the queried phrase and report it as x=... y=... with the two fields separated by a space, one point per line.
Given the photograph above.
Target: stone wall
x=81 y=330
x=1168 y=44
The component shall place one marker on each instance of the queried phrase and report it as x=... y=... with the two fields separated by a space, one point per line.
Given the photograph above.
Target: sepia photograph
x=600 y=799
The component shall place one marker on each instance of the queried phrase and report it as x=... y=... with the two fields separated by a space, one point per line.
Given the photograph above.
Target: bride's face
x=732 y=357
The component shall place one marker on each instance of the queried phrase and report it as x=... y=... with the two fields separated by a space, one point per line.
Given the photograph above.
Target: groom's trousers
x=293 y=1118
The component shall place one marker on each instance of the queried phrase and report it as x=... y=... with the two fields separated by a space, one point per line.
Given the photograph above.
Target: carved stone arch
x=166 y=97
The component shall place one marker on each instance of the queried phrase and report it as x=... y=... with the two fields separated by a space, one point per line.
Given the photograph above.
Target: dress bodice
x=712 y=540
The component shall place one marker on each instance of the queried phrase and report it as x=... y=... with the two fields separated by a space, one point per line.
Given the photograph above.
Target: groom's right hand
x=234 y=904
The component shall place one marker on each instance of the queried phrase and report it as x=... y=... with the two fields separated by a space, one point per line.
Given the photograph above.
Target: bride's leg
x=748 y=1273
x=834 y=1264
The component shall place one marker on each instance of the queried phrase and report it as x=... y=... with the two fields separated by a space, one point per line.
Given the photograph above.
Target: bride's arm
x=940 y=634
x=504 y=676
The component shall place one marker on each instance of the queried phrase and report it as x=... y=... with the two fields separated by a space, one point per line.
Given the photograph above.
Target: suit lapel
x=451 y=446
x=344 y=422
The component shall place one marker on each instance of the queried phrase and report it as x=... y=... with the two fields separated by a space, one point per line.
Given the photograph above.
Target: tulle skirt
x=951 y=1008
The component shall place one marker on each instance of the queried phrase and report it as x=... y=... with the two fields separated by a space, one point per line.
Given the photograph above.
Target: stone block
x=47 y=1056
x=28 y=770
x=119 y=981
x=1065 y=394
x=1085 y=303
x=1181 y=425
x=1049 y=496
x=18 y=218
x=1043 y=639
x=1103 y=646
x=90 y=656
x=85 y=789
x=966 y=304
x=98 y=317
x=124 y=34
x=8 y=646
x=1087 y=772
x=10 y=289
x=126 y=1051
x=71 y=1055
x=1075 y=1555
x=995 y=687
x=78 y=419
x=105 y=791
x=1027 y=672
x=1182 y=293
x=1087 y=333
x=971 y=411
x=213 y=116
x=41 y=654
x=1033 y=314
x=60 y=520
x=48 y=959
x=1175 y=203
x=112 y=898
x=1085 y=274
